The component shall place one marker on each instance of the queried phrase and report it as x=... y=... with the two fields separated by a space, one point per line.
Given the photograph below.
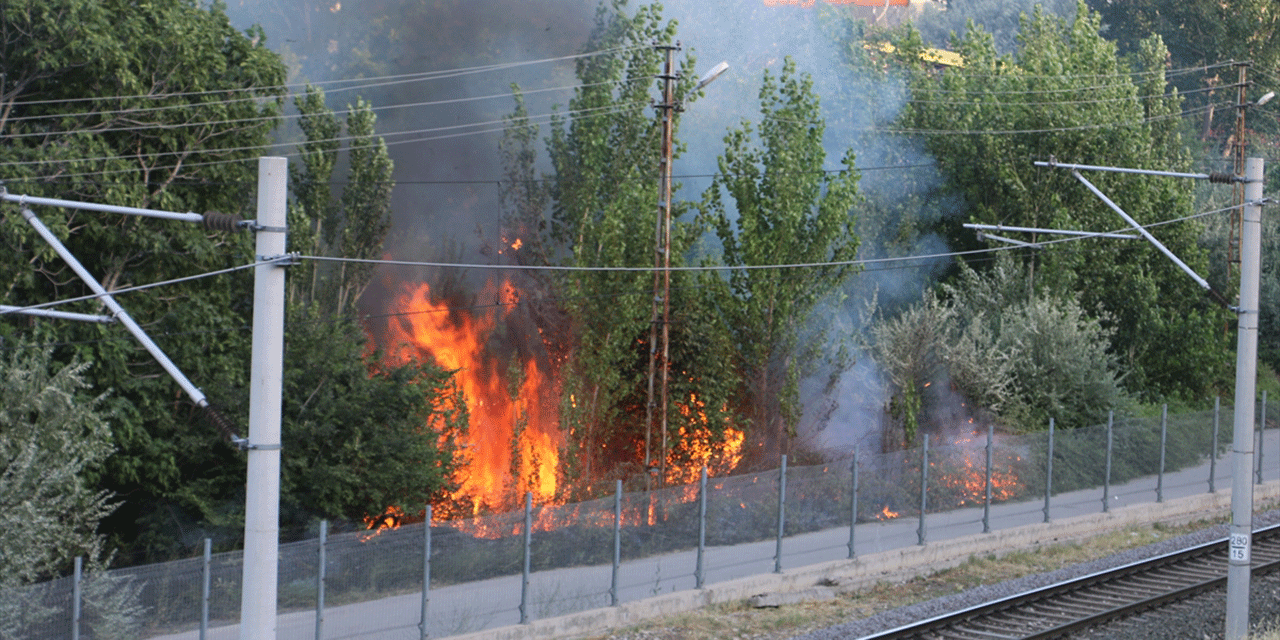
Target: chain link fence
x=550 y=560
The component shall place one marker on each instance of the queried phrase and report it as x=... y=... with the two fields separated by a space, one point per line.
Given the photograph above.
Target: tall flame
x=513 y=444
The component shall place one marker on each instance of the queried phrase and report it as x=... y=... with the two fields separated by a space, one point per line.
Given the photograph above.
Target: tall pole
x=1237 y=626
x=1237 y=154
x=262 y=502
x=662 y=269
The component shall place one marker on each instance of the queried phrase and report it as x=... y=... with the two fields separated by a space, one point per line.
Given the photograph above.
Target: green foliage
x=54 y=439
x=1022 y=356
x=1064 y=93
x=598 y=210
x=353 y=225
x=786 y=209
x=165 y=105
x=1030 y=356
x=1198 y=32
x=359 y=439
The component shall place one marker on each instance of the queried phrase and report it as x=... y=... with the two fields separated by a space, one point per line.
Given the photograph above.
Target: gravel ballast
x=1199 y=618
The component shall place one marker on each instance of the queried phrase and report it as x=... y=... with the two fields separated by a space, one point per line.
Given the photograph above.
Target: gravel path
x=1201 y=618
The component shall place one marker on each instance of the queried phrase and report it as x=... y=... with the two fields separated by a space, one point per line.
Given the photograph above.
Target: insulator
x=1221 y=178
x=221 y=221
x=221 y=422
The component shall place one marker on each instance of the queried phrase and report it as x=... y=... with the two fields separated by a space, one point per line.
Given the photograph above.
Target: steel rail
x=1061 y=609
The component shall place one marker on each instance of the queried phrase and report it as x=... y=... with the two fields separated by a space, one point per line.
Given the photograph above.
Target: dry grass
x=741 y=621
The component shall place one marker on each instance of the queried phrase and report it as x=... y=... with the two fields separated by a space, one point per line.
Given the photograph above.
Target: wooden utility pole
x=661 y=271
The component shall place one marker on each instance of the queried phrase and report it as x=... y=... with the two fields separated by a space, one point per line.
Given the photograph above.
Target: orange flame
x=513 y=443
x=886 y=514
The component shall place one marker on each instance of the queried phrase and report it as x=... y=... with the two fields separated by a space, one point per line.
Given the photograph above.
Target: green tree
x=1011 y=353
x=54 y=439
x=165 y=105
x=361 y=437
x=786 y=209
x=1064 y=93
x=601 y=209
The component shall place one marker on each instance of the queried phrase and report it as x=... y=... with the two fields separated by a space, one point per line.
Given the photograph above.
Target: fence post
x=1164 y=437
x=1048 y=473
x=853 y=508
x=320 y=567
x=986 y=504
x=1106 y=478
x=698 y=572
x=75 y=598
x=782 y=514
x=426 y=572
x=1213 y=446
x=1262 y=425
x=924 y=487
x=617 y=544
x=204 y=588
x=528 y=542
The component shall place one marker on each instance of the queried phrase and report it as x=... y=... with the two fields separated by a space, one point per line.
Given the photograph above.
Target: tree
x=165 y=105
x=1064 y=93
x=363 y=437
x=54 y=439
x=602 y=196
x=789 y=210
x=1011 y=353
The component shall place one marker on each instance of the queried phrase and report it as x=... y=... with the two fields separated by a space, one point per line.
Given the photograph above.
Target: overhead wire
x=872 y=265
x=295 y=116
x=142 y=287
x=540 y=118
x=419 y=76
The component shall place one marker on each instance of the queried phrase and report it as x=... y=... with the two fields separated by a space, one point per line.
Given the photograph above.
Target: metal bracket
x=283 y=260
x=253 y=225
x=244 y=445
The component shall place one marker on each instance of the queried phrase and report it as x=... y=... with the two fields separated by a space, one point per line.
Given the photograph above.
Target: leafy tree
x=1198 y=32
x=1203 y=33
x=165 y=105
x=54 y=439
x=1019 y=355
x=604 y=170
x=361 y=438
x=1064 y=93
x=786 y=210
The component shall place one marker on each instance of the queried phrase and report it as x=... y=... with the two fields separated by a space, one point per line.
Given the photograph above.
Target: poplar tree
x=786 y=208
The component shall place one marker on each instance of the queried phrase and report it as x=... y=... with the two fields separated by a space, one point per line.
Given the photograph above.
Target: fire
x=886 y=514
x=697 y=446
x=513 y=442
x=965 y=475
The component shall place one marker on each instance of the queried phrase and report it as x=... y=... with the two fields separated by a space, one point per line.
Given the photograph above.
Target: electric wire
x=368 y=83
x=141 y=287
x=744 y=267
x=870 y=266
x=541 y=118
x=289 y=116
x=430 y=103
x=608 y=110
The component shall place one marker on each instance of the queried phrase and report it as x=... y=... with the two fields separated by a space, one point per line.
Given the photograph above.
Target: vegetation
x=785 y=210
x=168 y=107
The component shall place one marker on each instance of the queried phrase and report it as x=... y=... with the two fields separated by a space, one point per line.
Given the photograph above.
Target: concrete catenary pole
x=262 y=484
x=1237 y=625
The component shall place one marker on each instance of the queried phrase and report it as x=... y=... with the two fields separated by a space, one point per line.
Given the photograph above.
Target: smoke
x=447 y=206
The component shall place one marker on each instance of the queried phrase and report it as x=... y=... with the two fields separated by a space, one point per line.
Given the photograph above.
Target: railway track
x=1067 y=607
